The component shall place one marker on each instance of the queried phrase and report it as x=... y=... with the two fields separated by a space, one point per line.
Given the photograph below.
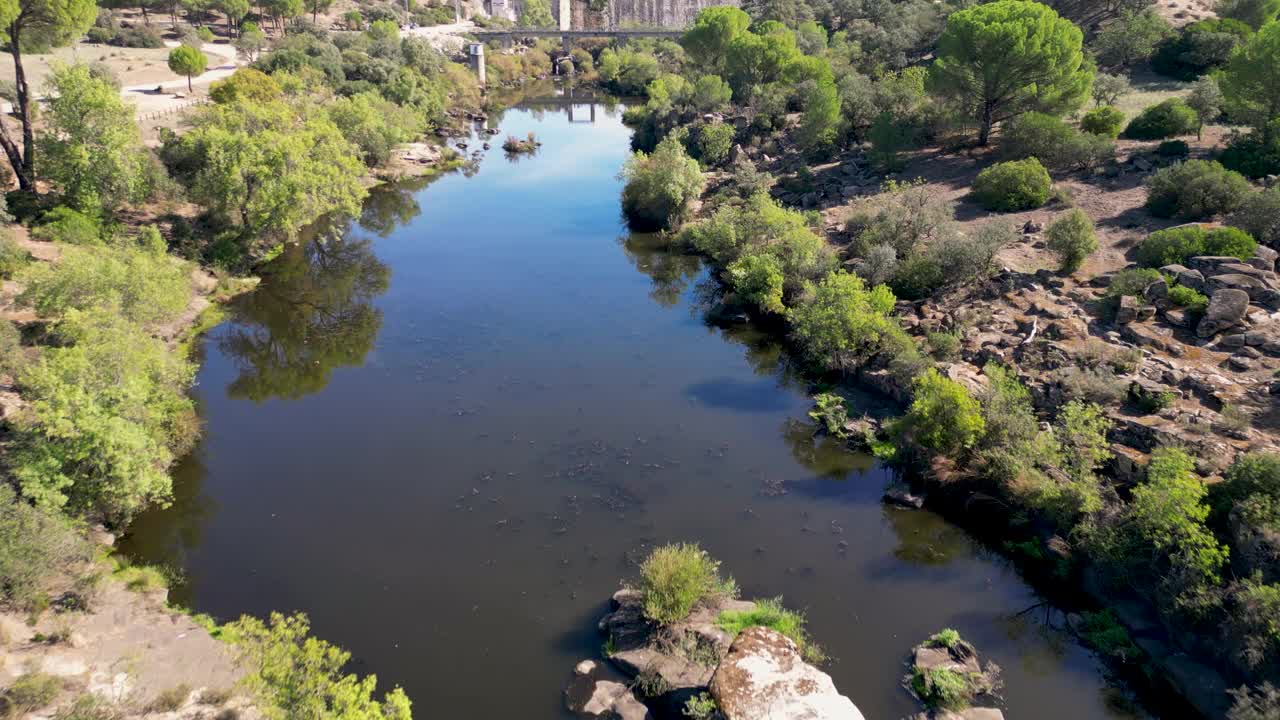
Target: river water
x=448 y=432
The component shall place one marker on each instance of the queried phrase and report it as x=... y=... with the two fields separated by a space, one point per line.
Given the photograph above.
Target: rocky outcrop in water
x=760 y=675
x=763 y=677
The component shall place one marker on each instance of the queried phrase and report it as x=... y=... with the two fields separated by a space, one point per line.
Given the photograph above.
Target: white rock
x=764 y=678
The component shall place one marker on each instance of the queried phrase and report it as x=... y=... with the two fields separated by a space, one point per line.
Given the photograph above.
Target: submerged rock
x=596 y=692
x=763 y=677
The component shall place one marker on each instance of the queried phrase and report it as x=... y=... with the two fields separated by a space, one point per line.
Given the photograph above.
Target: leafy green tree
x=108 y=413
x=297 y=676
x=315 y=7
x=246 y=84
x=714 y=31
x=140 y=286
x=1206 y=99
x=188 y=61
x=268 y=170
x=1001 y=59
x=711 y=93
x=374 y=125
x=758 y=280
x=235 y=11
x=843 y=322
x=251 y=40
x=943 y=416
x=91 y=149
x=1199 y=48
x=1169 y=512
x=1108 y=89
x=536 y=14
x=35 y=23
x=660 y=186
x=1072 y=239
x=1131 y=38
x=1251 y=82
x=281 y=11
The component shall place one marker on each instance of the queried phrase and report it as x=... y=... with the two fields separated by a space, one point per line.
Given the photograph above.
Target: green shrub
x=1168 y=512
x=1106 y=121
x=1253 y=474
x=1185 y=297
x=842 y=322
x=758 y=281
x=1253 y=156
x=675 y=578
x=1103 y=632
x=35 y=547
x=1259 y=215
x=1012 y=186
x=30 y=691
x=1072 y=238
x=92 y=442
x=13 y=357
x=714 y=142
x=1151 y=402
x=64 y=225
x=294 y=675
x=1199 y=48
x=1170 y=118
x=1173 y=149
x=660 y=186
x=943 y=688
x=143 y=287
x=944 y=638
x=12 y=257
x=830 y=411
x=1196 y=189
x=770 y=613
x=142 y=578
x=1053 y=142
x=943 y=345
x=1178 y=245
x=1133 y=281
x=943 y=416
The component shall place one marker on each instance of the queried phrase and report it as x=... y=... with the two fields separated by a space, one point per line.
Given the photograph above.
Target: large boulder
x=1227 y=308
x=763 y=677
x=595 y=692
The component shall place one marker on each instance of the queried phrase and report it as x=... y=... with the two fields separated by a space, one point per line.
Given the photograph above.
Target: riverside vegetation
x=1045 y=429
x=134 y=243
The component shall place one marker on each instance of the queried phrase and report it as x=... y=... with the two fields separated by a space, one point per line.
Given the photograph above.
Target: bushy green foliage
x=944 y=638
x=536 y=14
x=266 y=168
x=772 y=614
x=943 y=688
x=830 y=411
x=295 y=675
x=12 y=257
x=65 y=225
x=660 y=186
x=141 y=286
x=1108 y=89
x=1106 y=121
x=675 y=578
x=1103 y=632
x=1185 y=297
x=1177 y=245
x=1053 y=142
x=843 y=322
x=35 y=547
x=90 y=148
x=1250 y=91
x=1254 y=154
x=1252 y=475
x=627 y=72
x=1012 y=186
x=1199 y=48
x=1254 y=13
x=1072 y=238
x=1177 y=149
x=758 y=280
x=245 y=84
x=998 y=60
x=714 y=141
x=1168 y=118
x=374 y=125
x=1133 y=281
x=1168 y=511
x=943 y=416
x=1259 y=216
x=701 y=707
x=1195 y=189
x=1131 y=38
x=108 y=413
x=760 y=227
x=189 y=61
x=905 y=216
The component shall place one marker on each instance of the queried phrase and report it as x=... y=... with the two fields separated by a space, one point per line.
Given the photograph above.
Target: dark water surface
x=449 y=434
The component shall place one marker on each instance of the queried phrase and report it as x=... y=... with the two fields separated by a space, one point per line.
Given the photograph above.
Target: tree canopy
x=1009 y=57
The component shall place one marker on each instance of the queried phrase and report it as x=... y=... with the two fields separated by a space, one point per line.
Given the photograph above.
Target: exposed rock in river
x=597 y=692
x=764 y=678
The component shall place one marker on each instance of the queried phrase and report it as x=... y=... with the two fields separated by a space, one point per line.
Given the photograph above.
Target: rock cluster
x=760 y=675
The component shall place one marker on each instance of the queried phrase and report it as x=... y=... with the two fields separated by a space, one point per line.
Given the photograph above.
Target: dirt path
x=173 y=94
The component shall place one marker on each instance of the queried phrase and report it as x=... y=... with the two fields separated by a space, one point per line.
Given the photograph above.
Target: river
x=448 y=432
